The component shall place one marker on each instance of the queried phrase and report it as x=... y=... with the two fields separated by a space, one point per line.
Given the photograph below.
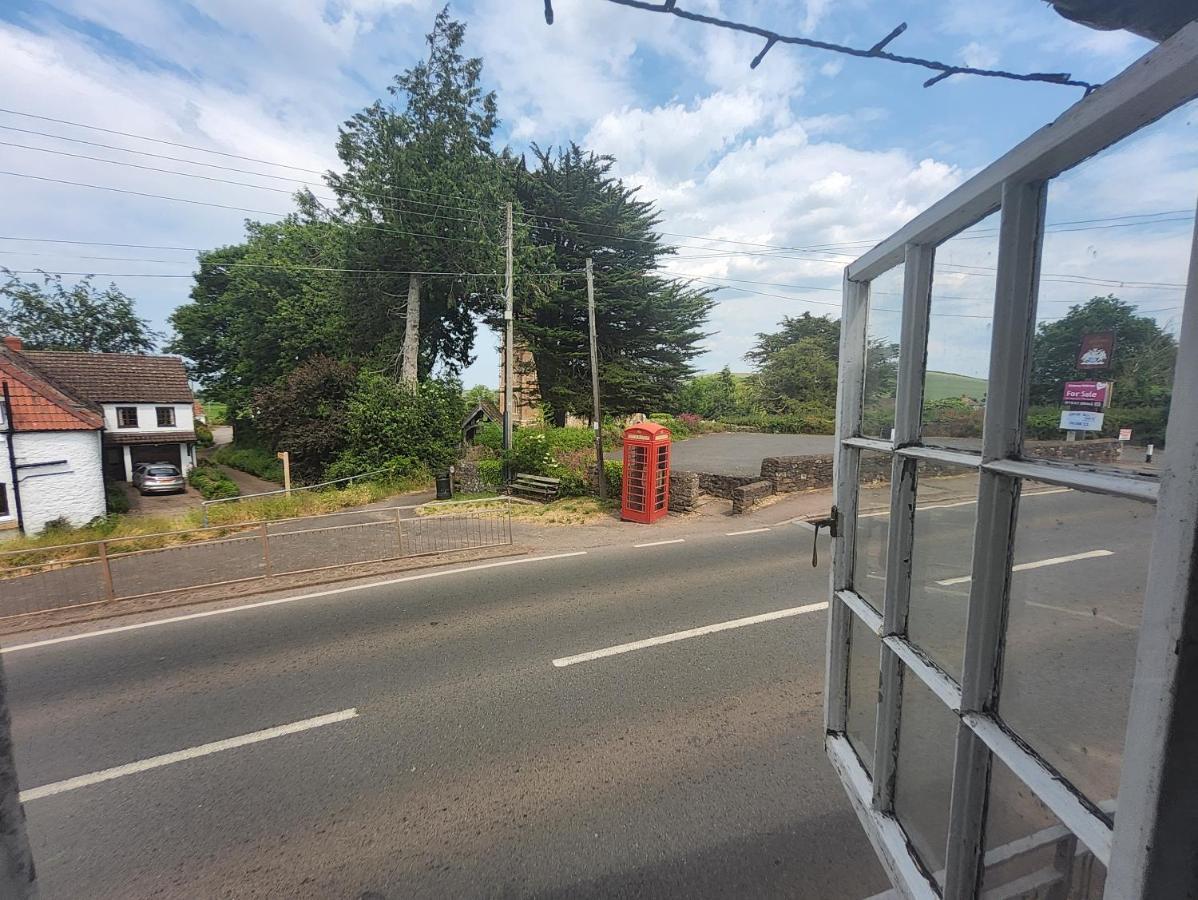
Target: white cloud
x=978 y=56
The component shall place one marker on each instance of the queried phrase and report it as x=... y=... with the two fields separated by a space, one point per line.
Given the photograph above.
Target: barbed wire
x=877 y=51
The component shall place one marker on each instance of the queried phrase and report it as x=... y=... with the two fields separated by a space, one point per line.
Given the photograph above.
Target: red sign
x=1086 y=394
x=1096 y=350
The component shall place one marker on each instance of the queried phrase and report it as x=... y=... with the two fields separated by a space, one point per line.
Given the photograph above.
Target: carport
x=123 y=451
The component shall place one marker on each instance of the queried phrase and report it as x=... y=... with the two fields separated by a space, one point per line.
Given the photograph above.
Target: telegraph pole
x=600 y=474
x=508 y=340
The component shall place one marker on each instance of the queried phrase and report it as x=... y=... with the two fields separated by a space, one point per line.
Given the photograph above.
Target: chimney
x=14 y=343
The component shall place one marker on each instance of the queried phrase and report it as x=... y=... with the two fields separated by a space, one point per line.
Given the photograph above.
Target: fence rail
x=47 y=578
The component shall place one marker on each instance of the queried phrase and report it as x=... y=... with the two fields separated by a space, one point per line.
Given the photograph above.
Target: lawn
x=943 y=385
x=567 y=511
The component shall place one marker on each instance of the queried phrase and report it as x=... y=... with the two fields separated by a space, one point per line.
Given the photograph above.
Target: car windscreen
x=163 y=471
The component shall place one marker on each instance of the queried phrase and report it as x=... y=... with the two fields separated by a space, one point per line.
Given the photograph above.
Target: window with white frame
x=986 y=619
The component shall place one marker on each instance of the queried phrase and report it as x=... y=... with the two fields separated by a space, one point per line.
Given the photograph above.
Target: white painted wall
x=73 y=490
x=147 y=417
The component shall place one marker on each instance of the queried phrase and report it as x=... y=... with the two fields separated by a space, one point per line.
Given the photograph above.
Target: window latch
x=832 y=523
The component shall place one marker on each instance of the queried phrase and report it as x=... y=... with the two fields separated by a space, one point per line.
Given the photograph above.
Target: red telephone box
x=646 y=494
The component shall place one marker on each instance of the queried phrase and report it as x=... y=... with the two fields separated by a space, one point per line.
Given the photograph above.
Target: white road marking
x=261 y=603
x=748 y=531
x=660 y=543
x=1039 y=564
x=689 y=633
x=166 y=759
x=970 y=502
x=1082 y=613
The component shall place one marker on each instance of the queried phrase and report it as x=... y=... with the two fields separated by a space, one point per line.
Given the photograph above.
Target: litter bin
x=444 y=486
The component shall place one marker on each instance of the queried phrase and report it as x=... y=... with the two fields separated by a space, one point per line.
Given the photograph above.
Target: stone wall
x=468 y=480
x=722 y=486
x=684 y=491
x=797 y=473
x=1091 y=451
x=747 y=495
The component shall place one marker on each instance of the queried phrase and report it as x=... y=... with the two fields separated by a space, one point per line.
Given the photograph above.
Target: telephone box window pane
x=873 y=526
x=864 y=649
x=1077 y=593
x=923 y=786
x=1028 y=847
x=941 y=556
x=959 y=330
x=881 y=353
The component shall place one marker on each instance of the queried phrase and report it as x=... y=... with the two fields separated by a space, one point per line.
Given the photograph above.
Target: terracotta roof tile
x=115 y=377
x=38 y=405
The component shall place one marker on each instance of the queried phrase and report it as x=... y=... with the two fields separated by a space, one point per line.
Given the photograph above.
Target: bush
x=211 y=482
x=614 y=471
x=491 y=472
x=797 y=423
x=1147 y=423
x=115 y=499
x=203 y=435
x=254 y=460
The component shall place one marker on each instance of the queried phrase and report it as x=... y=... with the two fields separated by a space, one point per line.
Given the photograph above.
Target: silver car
x=158 y=478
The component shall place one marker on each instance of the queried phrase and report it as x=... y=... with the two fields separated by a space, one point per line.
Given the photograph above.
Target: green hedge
x=1147 y=423
x=116 y=499
x=254 y=460
x=799 y=423
x=211 y=482
x=203 y=435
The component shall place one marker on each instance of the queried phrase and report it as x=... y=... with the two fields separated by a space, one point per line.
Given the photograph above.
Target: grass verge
x=567 y=511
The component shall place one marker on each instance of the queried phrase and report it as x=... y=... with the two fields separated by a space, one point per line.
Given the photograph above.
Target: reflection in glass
x=864 y=648
x=873 y=526
x=881 y=353
x=927 y=738
x=959 y=328
x=1027 y=845
x=1077 y=592
x=941 y=556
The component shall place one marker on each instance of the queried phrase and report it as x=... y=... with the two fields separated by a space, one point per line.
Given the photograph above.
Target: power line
x=877 y=51
x=560 y=274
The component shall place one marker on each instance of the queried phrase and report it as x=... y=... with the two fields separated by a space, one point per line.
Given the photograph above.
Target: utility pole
x=508 y=340
x=600 y=474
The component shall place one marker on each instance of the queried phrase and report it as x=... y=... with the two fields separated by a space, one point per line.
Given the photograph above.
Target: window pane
x=881 y=352
x=958 y=362
x=873 y=526
x=1116 y=252
x=1077 y=593
x=864 y=648
x=941 y=555
x=1025 y=842
x=927 y=738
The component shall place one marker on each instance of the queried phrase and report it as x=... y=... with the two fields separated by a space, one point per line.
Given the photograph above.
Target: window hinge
x=832 y=523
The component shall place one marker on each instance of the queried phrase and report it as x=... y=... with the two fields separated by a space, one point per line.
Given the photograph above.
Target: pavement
x=641 y=716
x=740 y=452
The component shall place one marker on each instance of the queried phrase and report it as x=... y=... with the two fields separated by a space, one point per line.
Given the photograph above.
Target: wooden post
x=286 y=457
x=106 y=571
x=600 y=474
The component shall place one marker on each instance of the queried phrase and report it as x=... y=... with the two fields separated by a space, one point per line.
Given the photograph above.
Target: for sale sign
x=1087 y=394
x=1096 y=350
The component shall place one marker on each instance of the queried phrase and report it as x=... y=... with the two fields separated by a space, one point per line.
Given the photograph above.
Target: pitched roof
x=38 y=405
x=115 y=377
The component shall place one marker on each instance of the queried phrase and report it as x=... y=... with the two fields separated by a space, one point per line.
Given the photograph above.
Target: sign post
x=286 y=457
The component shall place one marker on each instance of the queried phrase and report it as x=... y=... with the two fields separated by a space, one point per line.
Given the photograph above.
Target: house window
x=126 y=417
x=4 y=513
x=166 y=416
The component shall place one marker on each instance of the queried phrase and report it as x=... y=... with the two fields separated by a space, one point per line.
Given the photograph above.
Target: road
x=474 y=766
x=487 y=740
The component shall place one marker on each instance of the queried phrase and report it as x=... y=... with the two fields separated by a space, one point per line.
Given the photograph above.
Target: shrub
x=254 y=460
x=211 y=482
x=1147 y=423
x=797 y=423
x=203 y=435
x=491 y=472
x=490 y=435
x=614 y=471
x=115 y=499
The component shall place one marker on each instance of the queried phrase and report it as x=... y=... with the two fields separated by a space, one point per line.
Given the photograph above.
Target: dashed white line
x=1039 y=564
x=660 y=543
x=689 y=633
x=439 y=573
x=166 y=759
x=747 y=531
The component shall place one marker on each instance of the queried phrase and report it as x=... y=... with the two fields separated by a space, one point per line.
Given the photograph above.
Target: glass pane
x=958 y=363
x=1028 y=847
x=881 y=352
x=1077 y=593
x=927 y=738
x=941 y=555
x=873 y=526
x=1116 y=251
x=864 y=648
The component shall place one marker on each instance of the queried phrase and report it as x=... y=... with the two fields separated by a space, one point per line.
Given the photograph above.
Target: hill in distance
x=942 y=385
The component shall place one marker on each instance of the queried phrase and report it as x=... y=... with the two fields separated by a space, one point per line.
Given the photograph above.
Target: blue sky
x=808 y=150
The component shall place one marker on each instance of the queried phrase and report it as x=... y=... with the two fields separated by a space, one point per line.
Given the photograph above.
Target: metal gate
x=930 y=758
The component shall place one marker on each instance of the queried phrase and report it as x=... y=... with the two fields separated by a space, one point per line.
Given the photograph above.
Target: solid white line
x=886 y=512
x=312 y=596
x=660 y=543
x=166 y=759
x=1039 y=564
x=689 y=633
x=749 y=531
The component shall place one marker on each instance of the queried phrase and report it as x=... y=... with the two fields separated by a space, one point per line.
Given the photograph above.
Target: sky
x=768 y=180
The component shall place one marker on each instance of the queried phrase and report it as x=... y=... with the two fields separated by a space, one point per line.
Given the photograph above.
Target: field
x=942 y=385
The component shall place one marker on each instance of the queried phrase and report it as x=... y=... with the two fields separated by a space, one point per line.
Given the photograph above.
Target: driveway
x=741 y=452
x=161 y=504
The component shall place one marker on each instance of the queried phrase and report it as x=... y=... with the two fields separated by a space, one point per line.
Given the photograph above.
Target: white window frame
x=1149 y=852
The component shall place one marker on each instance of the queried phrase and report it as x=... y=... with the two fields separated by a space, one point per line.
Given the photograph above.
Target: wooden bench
x=536 y=486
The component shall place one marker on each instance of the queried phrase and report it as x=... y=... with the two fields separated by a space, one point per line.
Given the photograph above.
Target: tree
x=260 y=308
x=716 y=396
x=305 y=414
x=422 y=191
x=52 y=316
x=1142 y=365
x=479 y=393
x=648 y=327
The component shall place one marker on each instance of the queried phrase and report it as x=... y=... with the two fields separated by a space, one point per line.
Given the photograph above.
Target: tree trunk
x=410 y=358
x=559 y=417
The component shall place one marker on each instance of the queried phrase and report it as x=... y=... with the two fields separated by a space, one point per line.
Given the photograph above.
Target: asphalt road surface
x=484 y=731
